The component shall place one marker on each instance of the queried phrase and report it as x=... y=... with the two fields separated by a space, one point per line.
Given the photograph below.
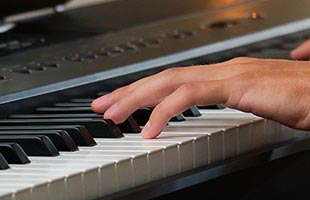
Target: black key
x=82 y=100
x=33 y=145
x=128 y=126
x=192 y=112
x=97 y=127
x=63 y=110
x=277 y=53
x=55 y=116
x=72 y=104
x=178 y=118
x=61 y=139
x=142 y=115
x=216 y=107
x=3 y=163
x=13 y=153
x=102 y=93
x=79 y=134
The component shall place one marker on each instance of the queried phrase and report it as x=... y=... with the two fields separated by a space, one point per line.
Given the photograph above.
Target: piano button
x=128 y=47
x=3 y=163
x=50 y=65
x=111 y=51
x=22 y=70
x=139 y=43
x=152 y=42
x=61 y=139
x=74 y=58
x=178 y=118
x=2 y=77
x=192 y=112
x=13 y=153
x=79 y=134
x=33 y=145
x=35 y=66
x=97 y=127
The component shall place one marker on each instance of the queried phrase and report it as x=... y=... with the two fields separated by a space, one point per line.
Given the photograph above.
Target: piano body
x=52 y=65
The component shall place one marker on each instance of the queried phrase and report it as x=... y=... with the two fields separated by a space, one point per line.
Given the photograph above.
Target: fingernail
x=146 y=130
x=110 y=111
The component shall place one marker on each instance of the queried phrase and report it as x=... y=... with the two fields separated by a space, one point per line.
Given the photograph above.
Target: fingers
x=187 y=95
x=157 y=87
x=302 y=52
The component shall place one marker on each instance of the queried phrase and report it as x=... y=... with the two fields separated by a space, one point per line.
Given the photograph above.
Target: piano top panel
x=158 y=44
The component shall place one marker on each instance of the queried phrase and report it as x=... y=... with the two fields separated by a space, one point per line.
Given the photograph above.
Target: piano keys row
x=64 y=127
x=116 y=164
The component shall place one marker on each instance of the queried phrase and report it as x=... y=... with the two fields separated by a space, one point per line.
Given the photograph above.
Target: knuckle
x=163 y=111
x=171 y=72
x=240 y=59
x=187 y=88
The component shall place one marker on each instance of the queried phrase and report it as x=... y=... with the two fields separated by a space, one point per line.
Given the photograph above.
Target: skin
x=274 y=89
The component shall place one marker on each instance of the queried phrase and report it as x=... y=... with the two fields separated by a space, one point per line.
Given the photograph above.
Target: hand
x=274 y=89
x=302 y=52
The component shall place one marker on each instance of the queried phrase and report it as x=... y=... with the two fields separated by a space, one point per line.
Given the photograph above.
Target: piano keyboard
x=53 y=147
x=117 y=164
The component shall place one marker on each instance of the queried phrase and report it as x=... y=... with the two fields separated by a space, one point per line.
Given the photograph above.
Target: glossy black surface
x=32 y=145
x=13 y=153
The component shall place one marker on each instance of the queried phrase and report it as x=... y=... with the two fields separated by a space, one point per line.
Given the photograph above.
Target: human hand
x=302 y=52
x=274 y=89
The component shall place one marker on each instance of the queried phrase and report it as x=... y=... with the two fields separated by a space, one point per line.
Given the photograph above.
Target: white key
x=21 y=191
x=5 y=195
x=122 y=166
x=170 y=150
